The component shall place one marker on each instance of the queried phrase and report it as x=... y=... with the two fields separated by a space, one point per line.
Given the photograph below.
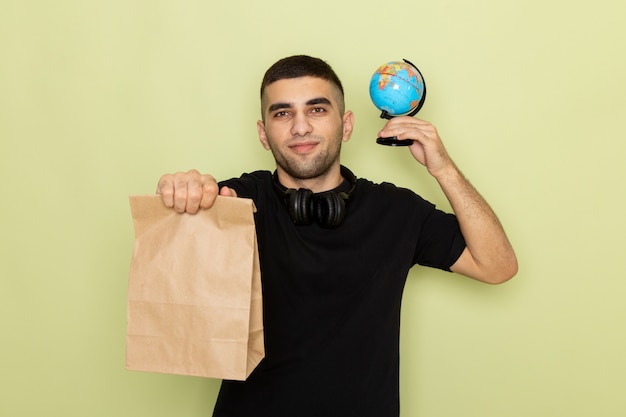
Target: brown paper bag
x=194 y=293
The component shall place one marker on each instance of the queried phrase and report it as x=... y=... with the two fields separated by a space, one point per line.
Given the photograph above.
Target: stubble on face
x=302 y=168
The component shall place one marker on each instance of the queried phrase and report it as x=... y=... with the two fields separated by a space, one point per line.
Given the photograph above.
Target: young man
x=335 y=250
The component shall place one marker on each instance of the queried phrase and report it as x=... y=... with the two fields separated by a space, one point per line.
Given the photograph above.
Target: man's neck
x=325 y=182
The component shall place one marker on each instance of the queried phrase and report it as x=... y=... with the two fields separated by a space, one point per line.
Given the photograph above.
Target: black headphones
x=327 y=209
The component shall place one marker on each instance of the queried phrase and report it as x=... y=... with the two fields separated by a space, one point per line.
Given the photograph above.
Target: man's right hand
x=190 y=191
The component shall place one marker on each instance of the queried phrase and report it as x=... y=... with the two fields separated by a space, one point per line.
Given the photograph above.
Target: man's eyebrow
x=311 y=102
x=278 y=106
x=319 y=100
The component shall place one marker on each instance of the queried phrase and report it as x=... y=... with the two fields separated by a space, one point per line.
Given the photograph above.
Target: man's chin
x=306 y=171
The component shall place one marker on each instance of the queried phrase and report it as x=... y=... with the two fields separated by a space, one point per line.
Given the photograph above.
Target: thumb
x=228 y=192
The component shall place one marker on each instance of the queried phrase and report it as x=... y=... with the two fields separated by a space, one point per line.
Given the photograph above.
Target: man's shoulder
x=253 y=176
x=383 y=187
x=250 y=184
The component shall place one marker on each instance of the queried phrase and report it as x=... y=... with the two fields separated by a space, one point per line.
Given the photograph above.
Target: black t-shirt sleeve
x=433 y=236
x=441 y=243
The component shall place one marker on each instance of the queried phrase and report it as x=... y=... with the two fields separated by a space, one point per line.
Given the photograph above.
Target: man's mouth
x=303 y=147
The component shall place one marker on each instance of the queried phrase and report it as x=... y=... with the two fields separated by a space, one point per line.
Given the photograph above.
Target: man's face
x=303 y=126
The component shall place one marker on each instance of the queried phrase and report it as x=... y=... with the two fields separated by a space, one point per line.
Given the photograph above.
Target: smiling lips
x=303 y=147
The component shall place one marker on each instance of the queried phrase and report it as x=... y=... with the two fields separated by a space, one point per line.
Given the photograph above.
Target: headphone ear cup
x=299 y=206
x=330 y=209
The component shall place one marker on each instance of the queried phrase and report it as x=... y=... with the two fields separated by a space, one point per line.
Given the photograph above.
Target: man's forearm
x=492 y=257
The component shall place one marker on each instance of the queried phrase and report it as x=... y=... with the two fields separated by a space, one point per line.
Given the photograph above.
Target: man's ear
x=260 y=127
x=348 y=125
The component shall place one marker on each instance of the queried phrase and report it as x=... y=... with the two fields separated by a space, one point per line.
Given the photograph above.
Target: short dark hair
x=300 y=66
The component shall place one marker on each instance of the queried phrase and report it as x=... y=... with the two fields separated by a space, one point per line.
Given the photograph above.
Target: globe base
x=394 y=141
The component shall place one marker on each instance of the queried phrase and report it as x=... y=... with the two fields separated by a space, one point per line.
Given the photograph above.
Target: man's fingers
x=228 y=192
x=165 y=189
x=209 y=191
x=181 y=179
x=187 y=191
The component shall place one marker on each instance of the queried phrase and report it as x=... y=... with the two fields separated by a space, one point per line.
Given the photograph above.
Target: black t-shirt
x=331 y=300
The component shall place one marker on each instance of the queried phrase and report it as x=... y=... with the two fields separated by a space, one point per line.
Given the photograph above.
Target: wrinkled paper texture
x=194 y=292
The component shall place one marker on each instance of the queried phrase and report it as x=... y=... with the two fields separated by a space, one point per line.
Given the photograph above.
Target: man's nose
x=301 y=125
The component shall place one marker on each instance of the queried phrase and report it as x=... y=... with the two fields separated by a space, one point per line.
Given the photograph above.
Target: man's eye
x=318 y=110
x=280 y=114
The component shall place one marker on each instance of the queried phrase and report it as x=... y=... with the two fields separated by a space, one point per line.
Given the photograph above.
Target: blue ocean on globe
x=397 y=88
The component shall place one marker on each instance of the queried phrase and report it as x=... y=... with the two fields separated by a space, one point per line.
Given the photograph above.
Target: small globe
x=397 y=88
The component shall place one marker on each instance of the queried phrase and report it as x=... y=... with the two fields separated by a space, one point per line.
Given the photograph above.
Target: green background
x=99 y=98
